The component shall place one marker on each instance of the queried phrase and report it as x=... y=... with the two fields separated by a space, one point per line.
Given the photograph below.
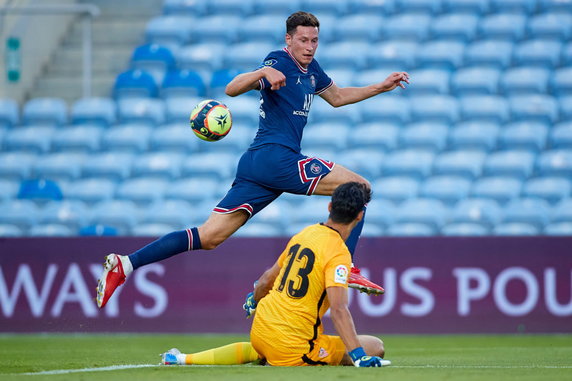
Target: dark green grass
x=450 y=357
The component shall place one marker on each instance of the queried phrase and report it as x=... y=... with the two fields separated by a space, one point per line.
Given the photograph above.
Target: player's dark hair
x=348 y=200
x=300 y=19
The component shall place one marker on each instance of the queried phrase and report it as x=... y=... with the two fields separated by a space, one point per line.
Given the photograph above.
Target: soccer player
x=287 y=80
x=310 y=276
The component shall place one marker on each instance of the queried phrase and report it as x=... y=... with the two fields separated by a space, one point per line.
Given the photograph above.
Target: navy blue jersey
x=284 y=112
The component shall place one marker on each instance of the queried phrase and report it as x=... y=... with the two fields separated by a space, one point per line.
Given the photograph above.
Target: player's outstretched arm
x=249 y=81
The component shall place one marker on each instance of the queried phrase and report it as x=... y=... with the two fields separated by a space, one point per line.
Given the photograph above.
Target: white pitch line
x=83 y=370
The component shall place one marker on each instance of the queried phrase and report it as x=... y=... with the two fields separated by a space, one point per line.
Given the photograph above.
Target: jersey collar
x=295 y=61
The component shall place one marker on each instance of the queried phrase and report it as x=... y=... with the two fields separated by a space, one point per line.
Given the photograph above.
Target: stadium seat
x=495 y=53
x=246 y=56
x=407 y=26
x=16 y=165
x=151 y=230
x=230 y=7
x=111 y=165
x=510 y=163
x=542 y=108
x=183 y=83
x=216 y=28
x=155 y=59
x=323 y=112
x=20 y=213
x=429 y=81
x=474 y=135
x=565 y=104
x=549 y=188
x=422 y=210
x=380 y=212
x=134 y=84
x=524 y=135
x=218 y=166
x=98 y=111
x=463 y=163
x=45 y=111
x=481 y=211
x=561 y=135
x=379 y=136
x=562 y=81
x=219 y=80
x=552 y=229
x=178 y=109
x=145 y=110
x=142 y=190
x=506 y=26
x=533 y=211
x=33 y=139
x=91 y=191
x=525 y=80
x=185 y=7
x=411 y=162
x=447 y=189
x=424 y=135
x=98 y=230
x=9 y=113
x=393 y=53
x=122 y=215
x=477 y=7
x=169 y=31
x=501 y=189
x=395 y=188
x=484 y=108
x=464 y=229
x=419 y=6
x=390 y=109
x=131 y=137
x=366 y=162
x=9 y=230
x=82 y=138
x=440 y=54
x=70 y=213
x=515 y=229
x=410 y=229
x=51 y=230
x=551 y=25
x=359 y=27
x=515 y=6
x=164 y=165
x=460 y=27
x=344 y=55
x=435 y=108
x=556 y=162
x=61 y=166
x=262 y=28
x=476 y=80
x=538 y=52
x=326 y=134
x=201 y=57
x=244 y=110
x=176 y=138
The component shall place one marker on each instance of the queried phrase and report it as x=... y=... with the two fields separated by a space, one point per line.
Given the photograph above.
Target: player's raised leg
x=212 y=233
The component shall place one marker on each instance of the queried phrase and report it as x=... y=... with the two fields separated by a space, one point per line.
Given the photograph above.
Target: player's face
x=303 y=43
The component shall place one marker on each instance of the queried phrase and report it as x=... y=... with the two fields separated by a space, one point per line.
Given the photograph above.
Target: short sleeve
x=323 y=81
x=337 y=269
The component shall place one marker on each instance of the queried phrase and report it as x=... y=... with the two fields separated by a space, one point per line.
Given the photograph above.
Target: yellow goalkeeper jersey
x=288 y=319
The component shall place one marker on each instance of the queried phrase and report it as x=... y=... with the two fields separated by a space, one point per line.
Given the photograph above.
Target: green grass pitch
x=447 y=357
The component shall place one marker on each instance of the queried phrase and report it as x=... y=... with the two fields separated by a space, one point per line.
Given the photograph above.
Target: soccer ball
x=211 y=120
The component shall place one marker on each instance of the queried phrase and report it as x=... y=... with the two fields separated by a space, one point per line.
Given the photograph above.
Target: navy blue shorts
x=265 y=173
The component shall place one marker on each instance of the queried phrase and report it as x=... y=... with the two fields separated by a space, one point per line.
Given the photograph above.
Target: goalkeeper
x=310 y=276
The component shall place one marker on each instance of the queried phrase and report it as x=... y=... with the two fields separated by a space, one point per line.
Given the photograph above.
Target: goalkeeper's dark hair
x=301 y=19
x=348 y=200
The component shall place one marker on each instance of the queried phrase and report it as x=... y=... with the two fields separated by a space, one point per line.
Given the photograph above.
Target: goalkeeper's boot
x=361 y=283
x=170 y=357
x=115 y=270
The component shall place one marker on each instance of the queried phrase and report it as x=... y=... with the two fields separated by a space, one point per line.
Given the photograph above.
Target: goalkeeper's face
x=303 y=44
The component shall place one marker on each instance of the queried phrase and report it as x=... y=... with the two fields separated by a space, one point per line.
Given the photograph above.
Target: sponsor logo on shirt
x=341 y=274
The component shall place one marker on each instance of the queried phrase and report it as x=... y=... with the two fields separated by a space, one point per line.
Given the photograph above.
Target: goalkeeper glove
x=361 y=360
x=250 y=304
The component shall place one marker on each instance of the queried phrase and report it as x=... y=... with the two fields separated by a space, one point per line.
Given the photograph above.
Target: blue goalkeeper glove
x=361 y=360
x=250 y=304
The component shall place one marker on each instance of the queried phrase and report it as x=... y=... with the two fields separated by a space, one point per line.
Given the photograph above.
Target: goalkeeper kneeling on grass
x=290 y=298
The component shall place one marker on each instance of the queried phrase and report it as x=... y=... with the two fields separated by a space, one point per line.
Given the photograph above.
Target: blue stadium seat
x=538 y=52
x=9 y=230
x=396 y=188
x=70 y=213
x=419 y=6
x=183 y=83
x=230 y=7
x=178 y=110
x=507 y=26
x=91 y=191
x=8 y=188
x=20 y=213
x=460 y=27
x=359 y=27
x=476 y=80
x=464 y=163
x=175 y=213
x=278 y=7
x=408 y=26
x=446 y=55
x=110 y=165
x=196 y=189
x=262 y=28
x=561 y=135
x=533 y=211
x=9 y=113
x=379 y=136
x=474 y=135
x=465 y=229
x=326 y=134
x=119 y=214
x=494 y=53
x=412 y=162
x=323 y=112
x=524 y=135
x=99 y=111
x=477 y=7
x=366 y=162
x=211 y=164
x=61 y=166
x=164 y=165
x=393 y=53
x=16 y=165
x=169 y=31
x=246 y=56
x=51 y=230
x=525 y=80
x=550 y=188
x=135 y=84
x=515 y=229
x=344 y=55
x=155 y=59
x=40 y=190
x=142 y=190
x=185 y=7
x=45 y=111
x=562 y=81
x=143 y=110
x=219 y=80
x=435 y=108
x=516 y=6
x=429 y=81
x=510 y=163
x=556 y=162
x=410 y=229
x=499 y=188
x=82 y=138
x=151 y=230
x=390 y=109
x=424 y=135
x=326 y=7
x=422 y=210
x=133 y=137
x=565 y=104
x=542 y=108
x=34 y=139
x=551 y=25
x=562 y=212
x=481 y=211
x=447 y=189
x=201 y=56
x=553 y=229
x=244 y=110
x=216 y=28
x=176 y=137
